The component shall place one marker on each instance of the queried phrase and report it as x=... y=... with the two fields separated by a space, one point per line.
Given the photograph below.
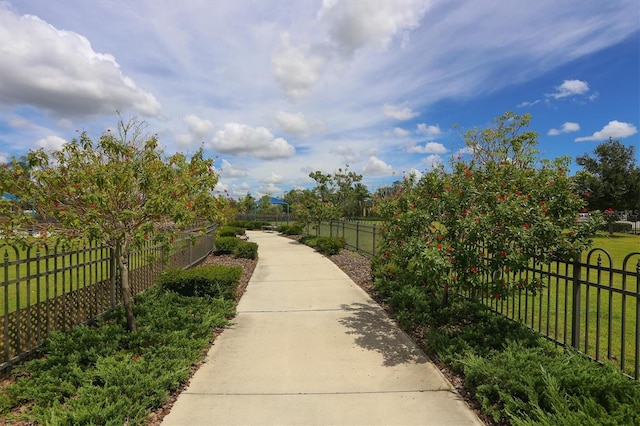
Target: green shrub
x=329 y=245
x=546 y=386
x=226 y=245
x=293 y=229
x=230 y=231
x=255 y=224
x=212 y=281
x=246 y=250
x=309 y=240
x=518 y=377
x=103 y=374
x=238 y=224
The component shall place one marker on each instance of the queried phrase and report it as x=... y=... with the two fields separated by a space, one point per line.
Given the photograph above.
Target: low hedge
x=226 y=245
x=245 y=250
x=230 y=231
x=248 y=224
x=325 y=245
x=329 y=245
x=293 y=229
x=217 y=281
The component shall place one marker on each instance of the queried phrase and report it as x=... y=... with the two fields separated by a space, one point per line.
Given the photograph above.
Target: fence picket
x=81 y=291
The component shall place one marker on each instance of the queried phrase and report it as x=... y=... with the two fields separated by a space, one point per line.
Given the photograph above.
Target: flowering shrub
x=476 y=227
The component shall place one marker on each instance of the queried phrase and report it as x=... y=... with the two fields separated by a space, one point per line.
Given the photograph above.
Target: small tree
x=120 y=190
x=477 y=226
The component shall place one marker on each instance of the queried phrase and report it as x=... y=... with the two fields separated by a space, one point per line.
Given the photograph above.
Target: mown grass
x=35 y=273
x=608 y=303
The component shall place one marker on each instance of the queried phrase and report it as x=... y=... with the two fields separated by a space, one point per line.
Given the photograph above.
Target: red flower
x=439 y=246
x=468 y=174
x=526 y=225
x=551 y=182
x=503 y=253
x=474 y=270
x=496 y=296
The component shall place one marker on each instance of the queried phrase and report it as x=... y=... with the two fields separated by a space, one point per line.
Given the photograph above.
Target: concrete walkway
x=309 y=347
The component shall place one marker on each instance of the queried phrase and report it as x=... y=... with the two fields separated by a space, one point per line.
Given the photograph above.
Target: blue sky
x=277 y=89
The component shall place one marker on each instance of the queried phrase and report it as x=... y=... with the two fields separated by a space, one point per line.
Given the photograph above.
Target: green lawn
x=608 y=305
x=35 y=274
x=607 y=315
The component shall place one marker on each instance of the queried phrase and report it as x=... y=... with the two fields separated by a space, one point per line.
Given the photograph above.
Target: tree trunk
x=126 y=290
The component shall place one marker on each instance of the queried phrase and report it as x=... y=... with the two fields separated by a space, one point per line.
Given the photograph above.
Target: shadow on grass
x=375 y=332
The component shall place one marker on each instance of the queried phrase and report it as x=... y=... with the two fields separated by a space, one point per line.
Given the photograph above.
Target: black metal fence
x=591 y=304
x=55 y=287
x=359 y=236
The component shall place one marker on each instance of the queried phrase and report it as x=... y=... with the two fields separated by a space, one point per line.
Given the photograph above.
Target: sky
x=274 y=90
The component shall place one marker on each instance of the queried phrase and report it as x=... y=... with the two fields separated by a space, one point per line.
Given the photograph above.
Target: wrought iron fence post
x=575 y=307
x=636 y=370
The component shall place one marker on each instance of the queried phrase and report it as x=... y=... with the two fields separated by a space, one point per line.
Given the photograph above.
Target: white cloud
x=346 y=153
x=198 y=129
x=274 y=179
x=59 y=71
x=4 y=157
x=399 y=112
x=467 y=150
x=230 y=171
x=269 y=189
x=198 y=126
x=567 y=127
x=615 y=129
x=415 y=172
x=295 y=69
x=18 y=122
x=241 y=140
x=428 y=148
x=401 y=133
x=376 y=167
x=355 y=25
x=51 y=143
x=528 y=103
x=432 y=161
x=294 y=124
x=429 y=131
x=570 y=88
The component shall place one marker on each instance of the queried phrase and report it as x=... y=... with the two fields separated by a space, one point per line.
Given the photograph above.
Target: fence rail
x=588 y=304
x=50 y=287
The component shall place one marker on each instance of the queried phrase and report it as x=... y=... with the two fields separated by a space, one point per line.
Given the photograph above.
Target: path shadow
x=374 y=331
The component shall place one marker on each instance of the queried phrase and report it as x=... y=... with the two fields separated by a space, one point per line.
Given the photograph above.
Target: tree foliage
x=336 y=195
x=475 y=227
x=120 y=190
x=610 y=179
